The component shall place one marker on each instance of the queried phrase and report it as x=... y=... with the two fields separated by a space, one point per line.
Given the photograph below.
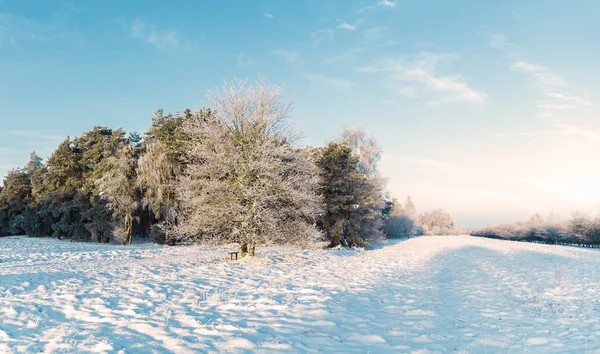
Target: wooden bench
x=231 y=255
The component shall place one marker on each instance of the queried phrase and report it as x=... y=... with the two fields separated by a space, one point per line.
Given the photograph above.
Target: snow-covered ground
x=428 y=294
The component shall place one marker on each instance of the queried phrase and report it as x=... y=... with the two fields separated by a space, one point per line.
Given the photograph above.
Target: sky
x=486 y=109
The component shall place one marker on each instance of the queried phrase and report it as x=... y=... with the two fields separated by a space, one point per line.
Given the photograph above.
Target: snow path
x=428 y=294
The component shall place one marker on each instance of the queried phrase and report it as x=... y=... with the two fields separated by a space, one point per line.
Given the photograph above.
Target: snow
x=423 y=295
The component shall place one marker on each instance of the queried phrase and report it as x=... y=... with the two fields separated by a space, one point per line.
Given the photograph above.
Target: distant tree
x=409 y=208
x=436 y=222
x=399 y=223
x=365 y=146
x=244 y=180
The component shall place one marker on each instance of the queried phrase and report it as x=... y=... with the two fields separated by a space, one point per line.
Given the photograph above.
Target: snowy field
x=428 y=294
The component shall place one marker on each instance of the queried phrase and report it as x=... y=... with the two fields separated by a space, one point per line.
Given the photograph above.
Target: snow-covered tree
x=398 y=222
x=436 y=222
x=409 y=208
x=244 y=181
x=366 y=147
x=118 y=186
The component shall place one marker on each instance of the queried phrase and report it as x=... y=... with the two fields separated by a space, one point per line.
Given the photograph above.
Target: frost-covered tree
x=353 y=189
x=398 y=222
x=352 y=202
x=366 y=147
x=118 y=186
x=245 y=182
x=436 y=222
x=156 y=175
x=409 y=208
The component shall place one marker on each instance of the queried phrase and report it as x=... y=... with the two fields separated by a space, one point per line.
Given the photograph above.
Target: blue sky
x=485 y=109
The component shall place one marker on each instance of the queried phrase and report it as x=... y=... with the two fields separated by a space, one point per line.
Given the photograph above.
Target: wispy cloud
x=15 y=29
x=563 y=130
x=569 y=98
x=269 y=16
x=37 y=135
x=375 y=32
x=541 y=74
x=161 y=39
x=557 y=93
x=422 y=73
x=387 y=3
x=330 y=81
x=346 y=26
x=288 y=55
x=243 y=61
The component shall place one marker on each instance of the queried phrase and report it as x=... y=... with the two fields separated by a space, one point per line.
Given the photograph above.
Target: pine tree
x=118 y=186
x=347 y=197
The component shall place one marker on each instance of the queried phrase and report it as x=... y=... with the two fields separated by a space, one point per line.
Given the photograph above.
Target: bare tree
x=244 y=181
x=366 y=147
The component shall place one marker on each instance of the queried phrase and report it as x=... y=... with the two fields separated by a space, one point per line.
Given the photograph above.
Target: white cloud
x=346 y=26
x=288 y=55
x=564 y=131
x=541 y=74
x=330 y=81
x=161 y=39
x=569 y=98
x=422 y=73
x=269 y=16
x=555 y=106
x=558 y=93
x=387 y=3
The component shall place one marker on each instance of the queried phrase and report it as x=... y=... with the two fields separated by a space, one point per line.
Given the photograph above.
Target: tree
x=65 y=173
x=157 y=173
x=399 y=223
x=365 y=147
x=436 y=222
x=352 y=189
x=409 y=208
x=351 y=205
x=244 y=181
x=118 y=186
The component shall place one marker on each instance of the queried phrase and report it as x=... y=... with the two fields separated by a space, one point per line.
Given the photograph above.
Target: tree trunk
x=243 y=246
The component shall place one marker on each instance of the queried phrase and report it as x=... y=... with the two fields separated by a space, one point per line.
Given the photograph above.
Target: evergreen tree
x=339 y=186
x=118 y=186
x=65 y=173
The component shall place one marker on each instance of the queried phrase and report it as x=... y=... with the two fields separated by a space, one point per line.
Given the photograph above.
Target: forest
x=233 y=172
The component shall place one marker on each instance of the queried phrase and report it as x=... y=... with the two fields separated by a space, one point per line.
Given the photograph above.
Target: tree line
x=580 y=229
x=234 y=172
